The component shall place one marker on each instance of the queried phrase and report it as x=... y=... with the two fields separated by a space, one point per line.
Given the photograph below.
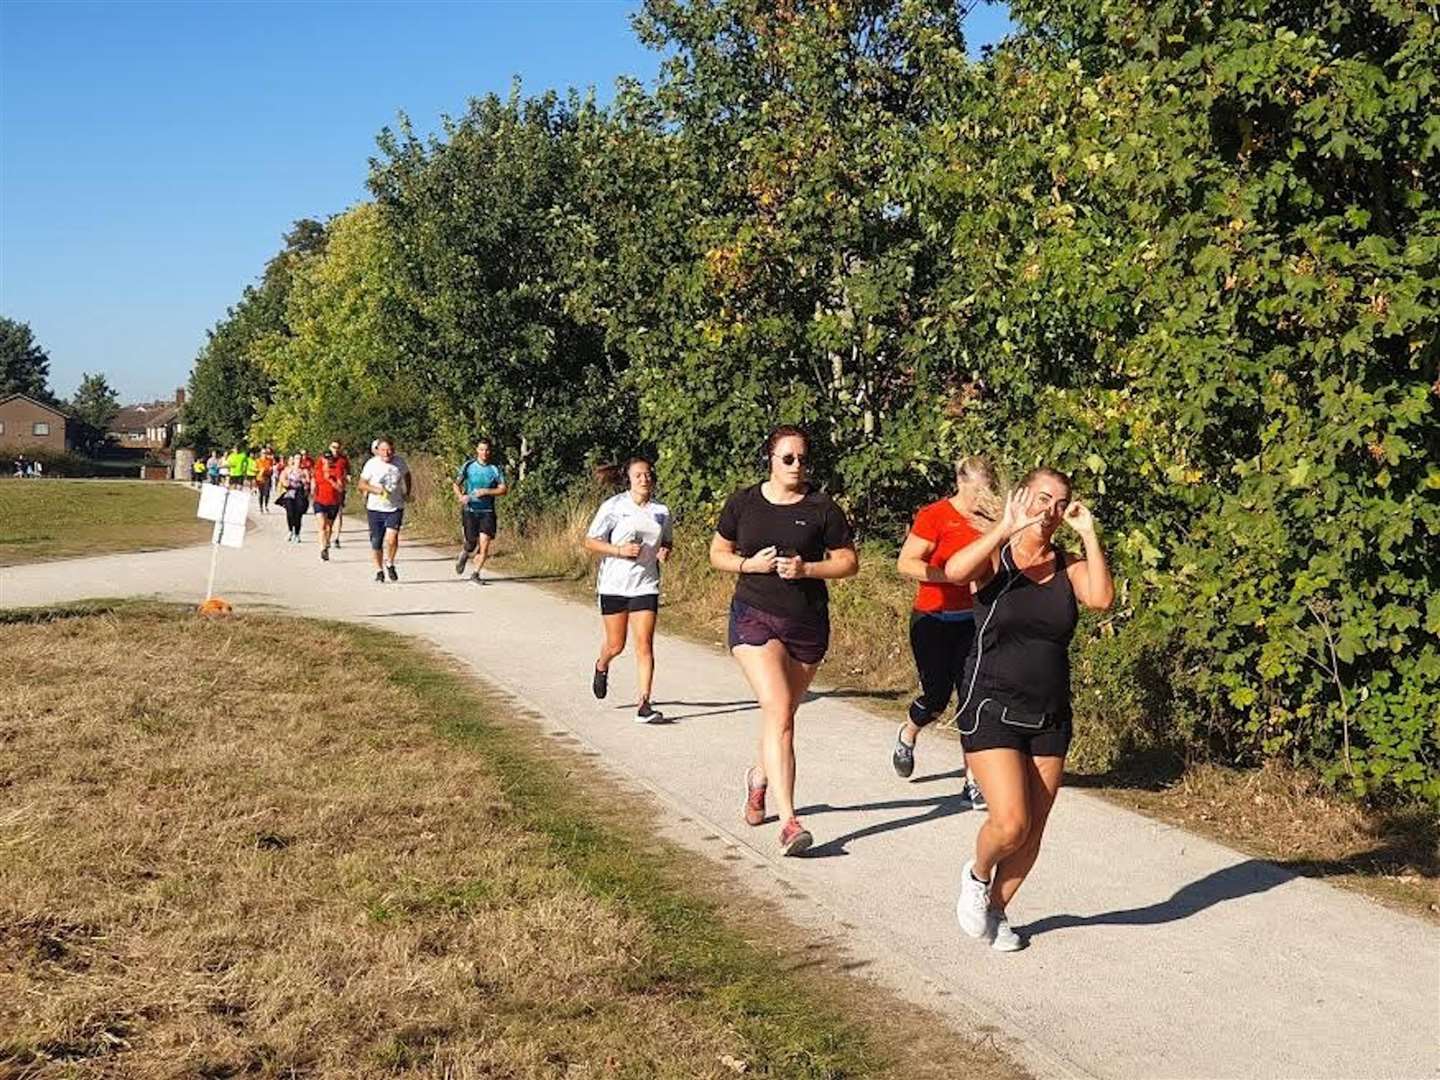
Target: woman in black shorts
x=784 y=540
x=1015 y=717
x=634 y=534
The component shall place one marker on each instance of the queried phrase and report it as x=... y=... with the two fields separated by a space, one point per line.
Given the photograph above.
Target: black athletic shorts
x=380 y=522
x=805 y=639
x=987 y=724
x=329 y=510
x=610 y=604
x=475 y=523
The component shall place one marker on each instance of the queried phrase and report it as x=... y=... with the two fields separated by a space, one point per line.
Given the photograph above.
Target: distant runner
x=386 y=482
x=342 y=471
x=294 y=487
x=329 y=493
x=635 y=535
x=476 y=485
x=265 y=478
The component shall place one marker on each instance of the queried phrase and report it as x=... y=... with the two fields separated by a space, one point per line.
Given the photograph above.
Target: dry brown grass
x=277 y=866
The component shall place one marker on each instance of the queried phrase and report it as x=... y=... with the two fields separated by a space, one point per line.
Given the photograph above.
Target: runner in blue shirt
x=476 y=485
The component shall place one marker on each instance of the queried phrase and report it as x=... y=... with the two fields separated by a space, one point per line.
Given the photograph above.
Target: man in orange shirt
x=329 y=493
x=342 y=474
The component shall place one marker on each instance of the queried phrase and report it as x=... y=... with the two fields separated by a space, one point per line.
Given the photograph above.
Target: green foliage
x=1189 y=253
x=24 y=365
x=93 y=405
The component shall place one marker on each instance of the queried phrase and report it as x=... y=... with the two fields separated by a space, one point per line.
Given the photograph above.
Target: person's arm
x=725 y=556
x=616 y=551
x=914 y=560
x=408 y=481
x=979 y=560
x=366 y=487
x=841 y=563
x=1090 y=577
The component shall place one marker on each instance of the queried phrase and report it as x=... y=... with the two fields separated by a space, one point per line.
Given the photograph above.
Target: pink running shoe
x=795 y=838
x=754 y=799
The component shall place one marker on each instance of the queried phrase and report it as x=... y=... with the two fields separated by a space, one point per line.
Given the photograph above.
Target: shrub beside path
x=1155 y=952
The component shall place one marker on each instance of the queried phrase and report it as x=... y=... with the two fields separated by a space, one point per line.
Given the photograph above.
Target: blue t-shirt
x=472 y=476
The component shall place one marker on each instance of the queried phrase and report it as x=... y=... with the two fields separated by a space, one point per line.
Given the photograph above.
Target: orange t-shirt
x=946 y=528
x=327 y=482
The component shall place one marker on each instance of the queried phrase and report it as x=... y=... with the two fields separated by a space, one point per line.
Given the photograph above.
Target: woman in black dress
x=784 y=540
x=1015 y=717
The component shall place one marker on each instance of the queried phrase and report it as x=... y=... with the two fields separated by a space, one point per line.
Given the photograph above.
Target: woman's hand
x=1016 y=516
x=628 y=551
x=790 y=568
x=1079 y=518
x=762 y=562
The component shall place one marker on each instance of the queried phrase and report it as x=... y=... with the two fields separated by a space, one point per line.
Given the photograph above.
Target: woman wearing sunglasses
x=1015 y=717
x=783 y=540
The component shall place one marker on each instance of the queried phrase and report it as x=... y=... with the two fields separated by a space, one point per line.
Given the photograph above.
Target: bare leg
x=392 y=544
x=1045 y=775
x=482 y=551
x=1003 y=775
x=614 y=643
x=768 y=669
x=644 y=623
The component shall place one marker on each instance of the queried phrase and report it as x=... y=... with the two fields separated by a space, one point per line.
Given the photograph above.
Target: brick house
x=152 y=426
x=27 y=424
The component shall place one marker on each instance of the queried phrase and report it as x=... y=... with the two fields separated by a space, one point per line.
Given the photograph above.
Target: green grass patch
x=42 y=520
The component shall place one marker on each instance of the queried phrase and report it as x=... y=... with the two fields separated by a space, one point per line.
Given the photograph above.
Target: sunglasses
x=794 y=459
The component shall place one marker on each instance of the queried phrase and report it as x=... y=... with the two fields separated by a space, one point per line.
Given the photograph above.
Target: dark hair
x=616 y=475
x=784 y=431
x=385 y=439
x=485 y=441
x=1054 y=474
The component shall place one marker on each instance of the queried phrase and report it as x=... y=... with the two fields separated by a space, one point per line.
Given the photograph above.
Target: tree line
x=1187 y=251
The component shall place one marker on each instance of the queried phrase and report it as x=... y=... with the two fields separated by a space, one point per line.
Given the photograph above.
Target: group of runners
x=996 y=605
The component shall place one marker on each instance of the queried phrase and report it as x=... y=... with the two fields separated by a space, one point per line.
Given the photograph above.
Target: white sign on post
x=228 y=508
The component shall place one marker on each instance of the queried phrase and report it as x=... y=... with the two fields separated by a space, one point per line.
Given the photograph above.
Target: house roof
x=140 y=417
x=33 y=401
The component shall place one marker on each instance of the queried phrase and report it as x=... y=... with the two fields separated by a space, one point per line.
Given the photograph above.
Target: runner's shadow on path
x=714 y=708
x=398 y=614
x=1248 y=878
x=939 y=808
x=877 y=695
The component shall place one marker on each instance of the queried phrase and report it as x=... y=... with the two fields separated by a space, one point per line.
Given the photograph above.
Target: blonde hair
x=975 y=474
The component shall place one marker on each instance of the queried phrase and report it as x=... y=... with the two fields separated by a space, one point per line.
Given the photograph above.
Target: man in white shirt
x=386 y=482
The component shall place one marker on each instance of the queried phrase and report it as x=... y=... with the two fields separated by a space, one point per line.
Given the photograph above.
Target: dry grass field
x=330 y=856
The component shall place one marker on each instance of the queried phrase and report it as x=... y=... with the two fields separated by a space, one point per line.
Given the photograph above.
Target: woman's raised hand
x=1079 y=518
x=1017 y=517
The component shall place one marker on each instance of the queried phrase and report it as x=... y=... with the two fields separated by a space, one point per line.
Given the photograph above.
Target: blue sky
x=152 y=154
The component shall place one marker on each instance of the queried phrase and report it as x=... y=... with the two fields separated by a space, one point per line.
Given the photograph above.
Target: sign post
x=227 y=508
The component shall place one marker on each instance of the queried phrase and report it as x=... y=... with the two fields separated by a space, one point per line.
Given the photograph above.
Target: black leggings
x=940 y=647
x=264 y=490
x=295 y=512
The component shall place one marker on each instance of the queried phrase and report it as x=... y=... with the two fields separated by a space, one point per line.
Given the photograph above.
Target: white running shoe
x=972 y=909
x=1005 y=939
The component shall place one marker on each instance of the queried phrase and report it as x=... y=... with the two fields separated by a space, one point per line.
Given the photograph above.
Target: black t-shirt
x=808 y=528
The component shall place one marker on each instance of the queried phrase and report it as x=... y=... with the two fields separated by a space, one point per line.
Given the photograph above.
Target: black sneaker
x=391 y=571
x=903 y=756
x=600 y=684
x=336 y=543
x=325 y=554
x=648 y=714
x=476 y=578
x=380 y=576
x=460 y=563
